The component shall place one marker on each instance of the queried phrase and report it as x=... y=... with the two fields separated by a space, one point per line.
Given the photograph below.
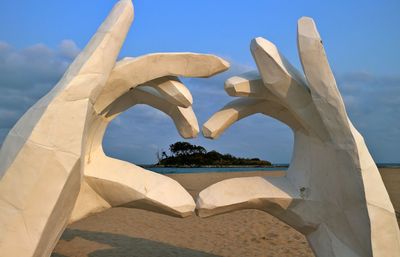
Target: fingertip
x=306 y=27
x=263 y=43
x=208 y=132
x=225 y=64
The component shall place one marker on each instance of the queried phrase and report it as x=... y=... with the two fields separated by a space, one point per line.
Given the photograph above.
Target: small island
x=184 y=154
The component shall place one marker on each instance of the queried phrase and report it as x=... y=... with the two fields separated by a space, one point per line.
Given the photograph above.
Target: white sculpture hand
x=57 y=142
x=332 y=192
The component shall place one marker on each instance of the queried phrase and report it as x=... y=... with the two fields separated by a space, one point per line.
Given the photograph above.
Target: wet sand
x=122 y=232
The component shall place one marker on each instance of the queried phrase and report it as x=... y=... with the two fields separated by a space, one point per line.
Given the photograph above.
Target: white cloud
x=373 y=104
x=68 y=49
x=26 y=75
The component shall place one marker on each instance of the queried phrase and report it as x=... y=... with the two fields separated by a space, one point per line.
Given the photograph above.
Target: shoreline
x=283 y=166
x=213 y=166
x=171 y=171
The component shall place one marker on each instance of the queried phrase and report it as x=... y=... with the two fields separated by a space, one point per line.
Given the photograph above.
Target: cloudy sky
x=38 y=40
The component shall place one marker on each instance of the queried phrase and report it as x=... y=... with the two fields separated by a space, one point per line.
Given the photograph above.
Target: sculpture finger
x=229 y=114
x=121 y=183
x=271 y=194
x=173 y=90
x=184 y=118
x=247 y=85
x=321 y=81
x=110 y=182
x=286 y=83
x=244 y=107
x=94 y=64
x=279 y=76
x=132 y=72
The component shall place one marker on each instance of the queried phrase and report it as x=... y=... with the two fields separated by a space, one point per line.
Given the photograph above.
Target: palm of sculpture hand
x=58 y=141
x=332 y=192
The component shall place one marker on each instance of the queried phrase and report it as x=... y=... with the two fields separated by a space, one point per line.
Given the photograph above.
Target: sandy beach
x=122 y=232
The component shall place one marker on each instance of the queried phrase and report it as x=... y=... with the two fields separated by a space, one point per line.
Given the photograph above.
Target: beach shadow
x=57 y=255
x=125 y=246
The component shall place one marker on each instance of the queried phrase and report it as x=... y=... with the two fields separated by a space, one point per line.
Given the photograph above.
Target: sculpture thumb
x=43 y=153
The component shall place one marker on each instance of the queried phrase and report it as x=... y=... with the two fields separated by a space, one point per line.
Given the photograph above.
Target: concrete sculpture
x=333 y=192
x=53 y=153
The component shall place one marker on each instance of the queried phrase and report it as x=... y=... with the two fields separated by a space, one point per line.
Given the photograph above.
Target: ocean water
x=243 y=169
x=203 y=170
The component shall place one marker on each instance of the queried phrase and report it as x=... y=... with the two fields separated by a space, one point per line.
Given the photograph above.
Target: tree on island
x=186 y=154
x=185 y=148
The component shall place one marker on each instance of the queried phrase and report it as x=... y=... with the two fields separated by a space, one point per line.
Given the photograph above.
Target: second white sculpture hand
x=332 y=192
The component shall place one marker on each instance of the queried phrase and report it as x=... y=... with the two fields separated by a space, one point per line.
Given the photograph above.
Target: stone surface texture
x=332 y=192
x=52 y=166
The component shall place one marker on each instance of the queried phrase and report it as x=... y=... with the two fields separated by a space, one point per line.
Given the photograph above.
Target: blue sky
x=38 y=39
